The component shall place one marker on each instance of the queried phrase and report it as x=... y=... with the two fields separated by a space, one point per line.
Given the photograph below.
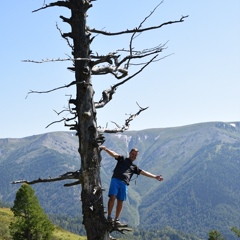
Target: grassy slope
x=6 y=216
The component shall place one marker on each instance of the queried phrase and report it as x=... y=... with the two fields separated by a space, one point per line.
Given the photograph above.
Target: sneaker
x=117 y=223
x=112 y=238
x=110 y=219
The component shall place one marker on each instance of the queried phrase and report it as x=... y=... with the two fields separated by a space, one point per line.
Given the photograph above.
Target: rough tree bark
x=83 y=107
x=91 y=195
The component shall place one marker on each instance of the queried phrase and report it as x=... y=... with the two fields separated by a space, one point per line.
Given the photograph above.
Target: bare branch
x=63 y=36
x=127 y=79
x=133 y=35
x=109 y=58
x=141 y=54
x=64 y=110
x=126 y=125
x=58 y=3
x=114 y=70
x=107 y=94
x=57 y=60
x=54 y=89
x=66 y=176
x=137 y=30
x=105 y=69
x=106 y=97
x=72 y=184
x=58 y=121
x=150 y=14
x=70 y=110
x=64 y=120
x=137 y=64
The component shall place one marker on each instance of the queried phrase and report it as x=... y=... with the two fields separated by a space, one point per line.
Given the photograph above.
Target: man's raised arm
x=110 y=152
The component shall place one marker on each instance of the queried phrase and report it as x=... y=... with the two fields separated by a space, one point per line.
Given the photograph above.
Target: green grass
x=61 y=234
x=6 y=216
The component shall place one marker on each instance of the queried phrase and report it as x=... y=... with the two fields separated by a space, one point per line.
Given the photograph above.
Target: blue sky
x=200 y=82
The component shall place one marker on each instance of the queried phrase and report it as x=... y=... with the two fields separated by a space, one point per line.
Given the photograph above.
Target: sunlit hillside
x=6 y=216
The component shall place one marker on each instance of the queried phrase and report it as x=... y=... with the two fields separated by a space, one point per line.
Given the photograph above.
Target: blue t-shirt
x=125 y=169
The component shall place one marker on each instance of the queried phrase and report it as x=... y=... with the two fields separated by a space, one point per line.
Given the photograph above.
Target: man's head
x=133 y=154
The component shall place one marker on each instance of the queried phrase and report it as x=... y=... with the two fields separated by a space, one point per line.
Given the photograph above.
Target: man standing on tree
x=121 y=177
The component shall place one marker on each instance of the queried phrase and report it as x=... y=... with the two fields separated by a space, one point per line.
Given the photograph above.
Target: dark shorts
x=118 y=188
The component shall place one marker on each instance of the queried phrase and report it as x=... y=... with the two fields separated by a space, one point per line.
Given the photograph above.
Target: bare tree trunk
x=91 y=196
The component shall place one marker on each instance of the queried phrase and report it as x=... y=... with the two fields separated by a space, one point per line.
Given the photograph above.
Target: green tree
x=236 y=231
x=215 y=235
x=31 y=222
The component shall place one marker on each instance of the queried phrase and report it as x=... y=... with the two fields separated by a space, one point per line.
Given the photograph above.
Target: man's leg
x=118 y=208
x=111 y=201
x=122 y=195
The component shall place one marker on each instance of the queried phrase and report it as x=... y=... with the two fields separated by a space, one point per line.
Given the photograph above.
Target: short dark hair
x=134 y=149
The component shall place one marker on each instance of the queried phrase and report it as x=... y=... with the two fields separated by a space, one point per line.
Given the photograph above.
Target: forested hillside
x=6 y=216
x=200 y=164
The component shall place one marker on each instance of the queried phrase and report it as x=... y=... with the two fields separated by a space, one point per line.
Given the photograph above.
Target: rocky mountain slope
x=200 y=164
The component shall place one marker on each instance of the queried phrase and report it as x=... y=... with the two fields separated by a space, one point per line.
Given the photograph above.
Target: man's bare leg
x=111 y=202
x=118 y=208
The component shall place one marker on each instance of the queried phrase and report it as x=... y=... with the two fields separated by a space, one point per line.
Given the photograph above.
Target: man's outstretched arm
x=110 y=152
x=148 y=174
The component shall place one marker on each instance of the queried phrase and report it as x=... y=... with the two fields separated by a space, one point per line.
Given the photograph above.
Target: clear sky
x=200 y=82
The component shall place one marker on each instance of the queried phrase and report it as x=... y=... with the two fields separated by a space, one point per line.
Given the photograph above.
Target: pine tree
x=236 y=231
x=31 y=223
x=215 y=235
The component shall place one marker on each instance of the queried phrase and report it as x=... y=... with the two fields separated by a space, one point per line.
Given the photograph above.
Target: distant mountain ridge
x=200 y=164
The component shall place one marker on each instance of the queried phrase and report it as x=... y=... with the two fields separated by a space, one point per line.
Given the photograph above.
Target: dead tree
x=83 y=107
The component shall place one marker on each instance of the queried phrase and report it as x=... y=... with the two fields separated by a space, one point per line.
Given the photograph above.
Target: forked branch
x=54 y=4
x=107 y=94
x=125 y=126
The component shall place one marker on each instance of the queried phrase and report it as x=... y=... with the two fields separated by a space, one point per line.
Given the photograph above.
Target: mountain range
x=200 y=164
